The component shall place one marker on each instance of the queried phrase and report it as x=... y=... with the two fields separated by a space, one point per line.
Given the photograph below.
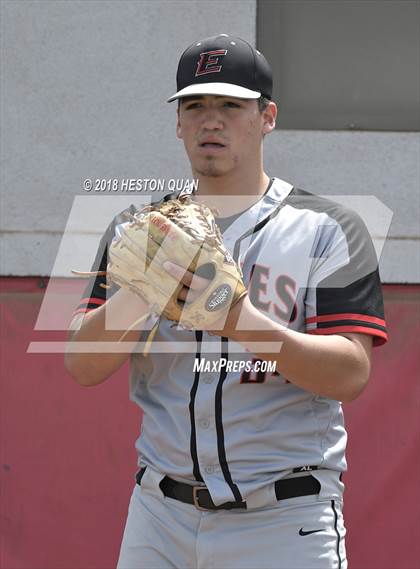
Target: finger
x=178 y=272
x=198 y=283
x=194 y=282
x=183 y=293
x=187 y=295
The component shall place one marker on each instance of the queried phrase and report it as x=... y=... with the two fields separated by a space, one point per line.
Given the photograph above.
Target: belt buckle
x=196 y=503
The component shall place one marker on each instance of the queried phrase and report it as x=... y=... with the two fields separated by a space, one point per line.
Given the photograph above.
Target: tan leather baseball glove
x=185 y=232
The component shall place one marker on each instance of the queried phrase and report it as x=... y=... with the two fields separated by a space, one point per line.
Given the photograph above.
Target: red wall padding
x=68 y=460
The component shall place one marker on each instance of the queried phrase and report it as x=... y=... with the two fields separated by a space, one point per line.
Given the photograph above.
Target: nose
x=212 y=119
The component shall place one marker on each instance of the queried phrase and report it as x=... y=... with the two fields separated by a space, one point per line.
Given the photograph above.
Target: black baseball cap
x=223 y=65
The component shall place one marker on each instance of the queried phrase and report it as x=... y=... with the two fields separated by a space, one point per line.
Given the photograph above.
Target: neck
x=242 y=185
x=232 y=193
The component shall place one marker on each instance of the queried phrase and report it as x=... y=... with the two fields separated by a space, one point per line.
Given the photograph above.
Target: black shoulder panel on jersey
x=350 y=298
x=363 y=259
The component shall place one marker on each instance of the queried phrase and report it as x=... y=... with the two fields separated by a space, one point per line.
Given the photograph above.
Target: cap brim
x=221 y=89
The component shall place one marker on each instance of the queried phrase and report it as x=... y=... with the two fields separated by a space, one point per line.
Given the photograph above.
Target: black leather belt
x=200 y=497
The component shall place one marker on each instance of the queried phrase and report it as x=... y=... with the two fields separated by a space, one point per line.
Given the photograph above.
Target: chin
x=210 y=172
x=211 y=169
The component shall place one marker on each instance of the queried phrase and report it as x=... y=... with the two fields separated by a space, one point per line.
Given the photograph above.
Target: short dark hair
x=262 y=103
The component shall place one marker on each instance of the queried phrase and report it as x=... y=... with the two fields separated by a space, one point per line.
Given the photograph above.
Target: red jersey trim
x=97 y=301
x=345 y=316
x=380 y=336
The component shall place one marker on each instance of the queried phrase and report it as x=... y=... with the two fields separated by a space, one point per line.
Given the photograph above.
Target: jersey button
x=209 y=469
x=204 y=423
x=208 y=379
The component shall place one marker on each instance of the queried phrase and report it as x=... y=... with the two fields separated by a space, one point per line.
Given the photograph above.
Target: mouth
x=211 y=145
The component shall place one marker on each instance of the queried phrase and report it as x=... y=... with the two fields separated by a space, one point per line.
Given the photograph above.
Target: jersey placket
x=209 y=438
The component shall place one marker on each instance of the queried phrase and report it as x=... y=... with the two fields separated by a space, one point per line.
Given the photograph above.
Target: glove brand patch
x=218 y=298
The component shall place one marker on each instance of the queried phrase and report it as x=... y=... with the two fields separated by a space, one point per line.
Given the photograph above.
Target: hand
x=194 y=285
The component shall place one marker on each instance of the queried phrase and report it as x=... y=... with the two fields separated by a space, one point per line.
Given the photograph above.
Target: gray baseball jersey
x=217 y=415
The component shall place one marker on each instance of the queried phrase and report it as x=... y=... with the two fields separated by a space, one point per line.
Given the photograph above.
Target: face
x=223 y=134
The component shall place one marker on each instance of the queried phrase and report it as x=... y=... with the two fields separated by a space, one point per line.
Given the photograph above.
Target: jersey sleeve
x=344 y=291
x=95 y=293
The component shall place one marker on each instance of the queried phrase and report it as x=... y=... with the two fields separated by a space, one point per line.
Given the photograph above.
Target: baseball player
x=242 y=446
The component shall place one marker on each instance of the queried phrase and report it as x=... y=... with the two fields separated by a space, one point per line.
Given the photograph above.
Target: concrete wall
x=381 y=164
x=83 y=90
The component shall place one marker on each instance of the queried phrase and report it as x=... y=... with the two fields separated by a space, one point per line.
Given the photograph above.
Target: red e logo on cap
x=209 y=62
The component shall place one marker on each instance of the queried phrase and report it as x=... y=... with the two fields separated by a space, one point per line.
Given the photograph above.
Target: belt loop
x=139 y=475
x=196 y=498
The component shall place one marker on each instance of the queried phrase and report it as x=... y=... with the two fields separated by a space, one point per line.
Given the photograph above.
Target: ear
x=269 y=117
x=178 y=125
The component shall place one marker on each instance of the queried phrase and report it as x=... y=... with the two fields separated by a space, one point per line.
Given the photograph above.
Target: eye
x=193 y=105
x=232 y=105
